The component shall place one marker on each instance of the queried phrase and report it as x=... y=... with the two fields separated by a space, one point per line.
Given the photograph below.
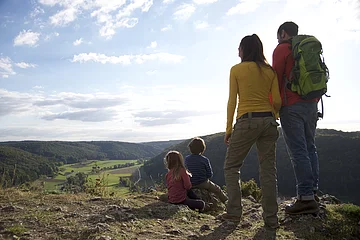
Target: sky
x=152 y=70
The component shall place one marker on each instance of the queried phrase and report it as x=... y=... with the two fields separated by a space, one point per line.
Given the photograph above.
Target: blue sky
x=144 y=70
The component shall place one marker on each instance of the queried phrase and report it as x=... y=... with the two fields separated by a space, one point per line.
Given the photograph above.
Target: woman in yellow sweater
x=254 y=84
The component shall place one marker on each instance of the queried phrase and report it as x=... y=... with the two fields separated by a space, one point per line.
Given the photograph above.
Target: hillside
x=34 y=215
x=72 y=152
x=27 y=166
x=161 y=145
x=339 y=157
x=36 y=158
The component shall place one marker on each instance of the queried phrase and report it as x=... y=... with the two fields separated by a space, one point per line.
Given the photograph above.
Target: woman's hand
x=227 y=138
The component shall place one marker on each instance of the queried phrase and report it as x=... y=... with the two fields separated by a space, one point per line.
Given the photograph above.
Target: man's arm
x=279 y=62
x=280 y=55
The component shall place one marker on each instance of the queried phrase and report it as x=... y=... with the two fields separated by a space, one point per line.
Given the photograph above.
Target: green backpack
x=309 y=75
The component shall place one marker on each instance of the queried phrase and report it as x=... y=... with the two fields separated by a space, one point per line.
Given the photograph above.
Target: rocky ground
x=35 y=215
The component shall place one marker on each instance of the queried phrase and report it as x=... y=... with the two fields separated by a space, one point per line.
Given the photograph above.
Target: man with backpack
x=302 y=81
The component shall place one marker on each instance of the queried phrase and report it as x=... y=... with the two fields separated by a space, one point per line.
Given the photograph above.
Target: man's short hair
x=197 y=145
x=290 y=28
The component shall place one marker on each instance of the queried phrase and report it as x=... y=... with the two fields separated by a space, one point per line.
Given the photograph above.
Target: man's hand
x=227 y=138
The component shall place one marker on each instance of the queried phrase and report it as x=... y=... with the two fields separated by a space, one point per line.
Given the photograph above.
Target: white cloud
x=77 y=42
x=106 y=7
x=104 y=12
x=204 y=1
x=37 y=10
x=144 y=5
x=127 y=59
x=64 y=17
x=184 y=11
x=70 y=11
x=166 y=28
x=15 y=102
x=108 y=30
x=153 y=72
x=340 y=17
x=50 y=2
x=153 y=44
x=87 y=115
x=38 y=87
x=26 y=38
x=123 y=18
x=6 y=67
x=25 y=65
x=201 y=25
x=245 y=6
x=102 y=58
x=168 y=1
x=50 y=36
x=65 y=105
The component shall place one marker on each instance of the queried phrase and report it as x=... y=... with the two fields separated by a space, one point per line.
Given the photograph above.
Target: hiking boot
x=273 y=226
x=316 y=197
x=302 y=207
x=228 y=217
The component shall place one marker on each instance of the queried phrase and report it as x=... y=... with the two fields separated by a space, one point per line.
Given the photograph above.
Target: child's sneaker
x=206 y=208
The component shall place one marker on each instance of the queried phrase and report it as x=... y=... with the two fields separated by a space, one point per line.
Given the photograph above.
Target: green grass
x=87 y=166
x=349 y=210
x=112 y=175
x=51 y=185
x=342 y=220
x=17 y=230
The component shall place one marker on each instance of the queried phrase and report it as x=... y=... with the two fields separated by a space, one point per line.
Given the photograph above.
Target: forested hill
x=31 y=159
x=27 y=166
x=71 y=152
x=339 y=157
x=161 y=145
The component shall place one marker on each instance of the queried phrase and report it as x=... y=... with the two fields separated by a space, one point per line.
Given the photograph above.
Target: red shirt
x=282 y=63
x=177 y=189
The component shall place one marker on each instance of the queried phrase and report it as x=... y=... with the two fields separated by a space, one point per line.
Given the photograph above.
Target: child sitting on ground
x=201 y=170
x=178 y=182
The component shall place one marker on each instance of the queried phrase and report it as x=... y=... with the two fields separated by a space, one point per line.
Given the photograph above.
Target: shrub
x=250 y=188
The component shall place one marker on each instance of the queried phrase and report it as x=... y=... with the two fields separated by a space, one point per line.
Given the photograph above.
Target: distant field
x=87 y=166
x=111 y=175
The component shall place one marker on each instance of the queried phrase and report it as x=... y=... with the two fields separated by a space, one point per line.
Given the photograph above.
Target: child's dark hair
x=252 y=49
x=290 y=28
x=197 y=146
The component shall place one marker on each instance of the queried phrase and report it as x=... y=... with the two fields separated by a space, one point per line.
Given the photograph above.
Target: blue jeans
x=298 y=123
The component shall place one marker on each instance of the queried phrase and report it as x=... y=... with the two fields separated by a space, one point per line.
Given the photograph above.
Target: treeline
x=339 y=157
x=25 y=161
x=73 y=152
x=17 y=166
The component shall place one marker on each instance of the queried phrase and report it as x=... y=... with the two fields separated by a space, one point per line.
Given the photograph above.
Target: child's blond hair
x=175 y=160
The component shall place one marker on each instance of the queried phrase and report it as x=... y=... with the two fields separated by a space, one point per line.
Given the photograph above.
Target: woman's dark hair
x=252 y=50
x=290 y=28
